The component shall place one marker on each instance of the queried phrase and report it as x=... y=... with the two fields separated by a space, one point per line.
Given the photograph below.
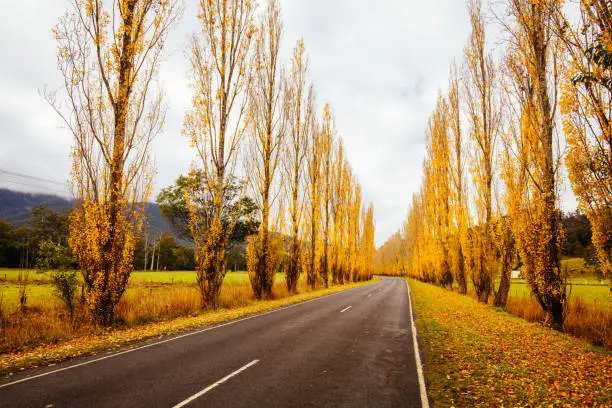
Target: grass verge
x=588 y=311
x=479 y=356
x=585 y=320
x=112 y=339
x=43 y=319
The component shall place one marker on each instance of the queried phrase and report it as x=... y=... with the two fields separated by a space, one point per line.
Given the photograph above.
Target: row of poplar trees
x=297 y=171
x=246 y=109
x=495 y=154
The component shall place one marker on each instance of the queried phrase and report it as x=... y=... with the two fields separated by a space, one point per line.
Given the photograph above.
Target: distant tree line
x=577 y=230
x=20 y=247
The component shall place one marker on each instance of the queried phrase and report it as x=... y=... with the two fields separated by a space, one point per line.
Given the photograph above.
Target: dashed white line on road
x=345 y=309
x=210 y=387
x=174 y=338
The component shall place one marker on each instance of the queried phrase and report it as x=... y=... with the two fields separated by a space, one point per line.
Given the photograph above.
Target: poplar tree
x=532 y=173
x=353 y=233
x=368 y=246
x=328 y=132
x=479 y=85
x=338 y=213
x=458 y=210
x=266 y=141
x=109 y=55
x=300 y=121
x=314 y=188
x=215 y=126
x=586 y=105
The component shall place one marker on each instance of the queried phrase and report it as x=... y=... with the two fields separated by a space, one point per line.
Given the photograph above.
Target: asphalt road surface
x=350 y=349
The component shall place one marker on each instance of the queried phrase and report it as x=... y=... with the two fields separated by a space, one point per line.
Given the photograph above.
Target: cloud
x=380 y=65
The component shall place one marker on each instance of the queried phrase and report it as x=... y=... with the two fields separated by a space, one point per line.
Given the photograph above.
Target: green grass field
x=575 y=267
x=36 y=294
x=40 y=291
x=593 y=291
x=589 y=289
x=14 y=275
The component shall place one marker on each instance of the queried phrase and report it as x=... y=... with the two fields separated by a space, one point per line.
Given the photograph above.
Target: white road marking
x=345 y=309
x=211 y=386
x=170 y=339
x=417 y=356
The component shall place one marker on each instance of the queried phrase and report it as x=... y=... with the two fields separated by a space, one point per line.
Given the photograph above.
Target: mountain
x=15 y=208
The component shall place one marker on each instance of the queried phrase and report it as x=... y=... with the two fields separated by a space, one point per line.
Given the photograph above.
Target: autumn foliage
x=586 y=98
x=252 y=124
x=108 y=55
x=248 y=109
x=266 y=140
x=501 y=211
x=215 y=126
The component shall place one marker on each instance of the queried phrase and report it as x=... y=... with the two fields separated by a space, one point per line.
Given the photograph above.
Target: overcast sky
x=379 y=64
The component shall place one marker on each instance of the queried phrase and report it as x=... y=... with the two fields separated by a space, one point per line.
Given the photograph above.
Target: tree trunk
x=265 y=264
x=313 y=247
x=554 y=299
x=501 y=296
x=461 y=270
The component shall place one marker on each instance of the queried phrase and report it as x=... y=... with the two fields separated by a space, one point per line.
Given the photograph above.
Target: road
x=350 y=349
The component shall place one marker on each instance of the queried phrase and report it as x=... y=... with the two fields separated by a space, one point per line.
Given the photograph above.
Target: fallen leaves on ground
x=479 y=356
x=113 y=339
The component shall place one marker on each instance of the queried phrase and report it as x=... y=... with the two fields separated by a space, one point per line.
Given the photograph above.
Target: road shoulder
x=477 y=355
x=115 y=341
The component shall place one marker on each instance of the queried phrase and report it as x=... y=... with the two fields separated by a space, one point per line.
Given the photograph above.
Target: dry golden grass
x=525 y=307
x=588 y=315
x=44 y=320
x=34 y=325
x=585 y=320
x=43 y=332
x=145 y=304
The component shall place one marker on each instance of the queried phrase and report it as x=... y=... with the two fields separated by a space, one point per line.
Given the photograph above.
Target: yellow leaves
x=220 y=61
x=103 y=340
x=89 y=7
x=102 y=237
x=480 y=357
x=585 y=105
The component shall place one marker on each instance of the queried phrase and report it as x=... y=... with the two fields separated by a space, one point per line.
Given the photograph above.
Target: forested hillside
x=16 y=208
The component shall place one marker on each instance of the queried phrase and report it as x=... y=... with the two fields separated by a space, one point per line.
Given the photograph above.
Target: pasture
x=150 y=297
x=589 y=290
x=39 y=289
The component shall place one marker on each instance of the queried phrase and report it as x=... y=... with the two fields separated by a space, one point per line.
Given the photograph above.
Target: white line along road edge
x=417 y=356
x=211 y=386
x=191 y=333
x=345 y=309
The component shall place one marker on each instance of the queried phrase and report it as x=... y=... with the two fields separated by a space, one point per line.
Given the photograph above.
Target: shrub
x=52 y=256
